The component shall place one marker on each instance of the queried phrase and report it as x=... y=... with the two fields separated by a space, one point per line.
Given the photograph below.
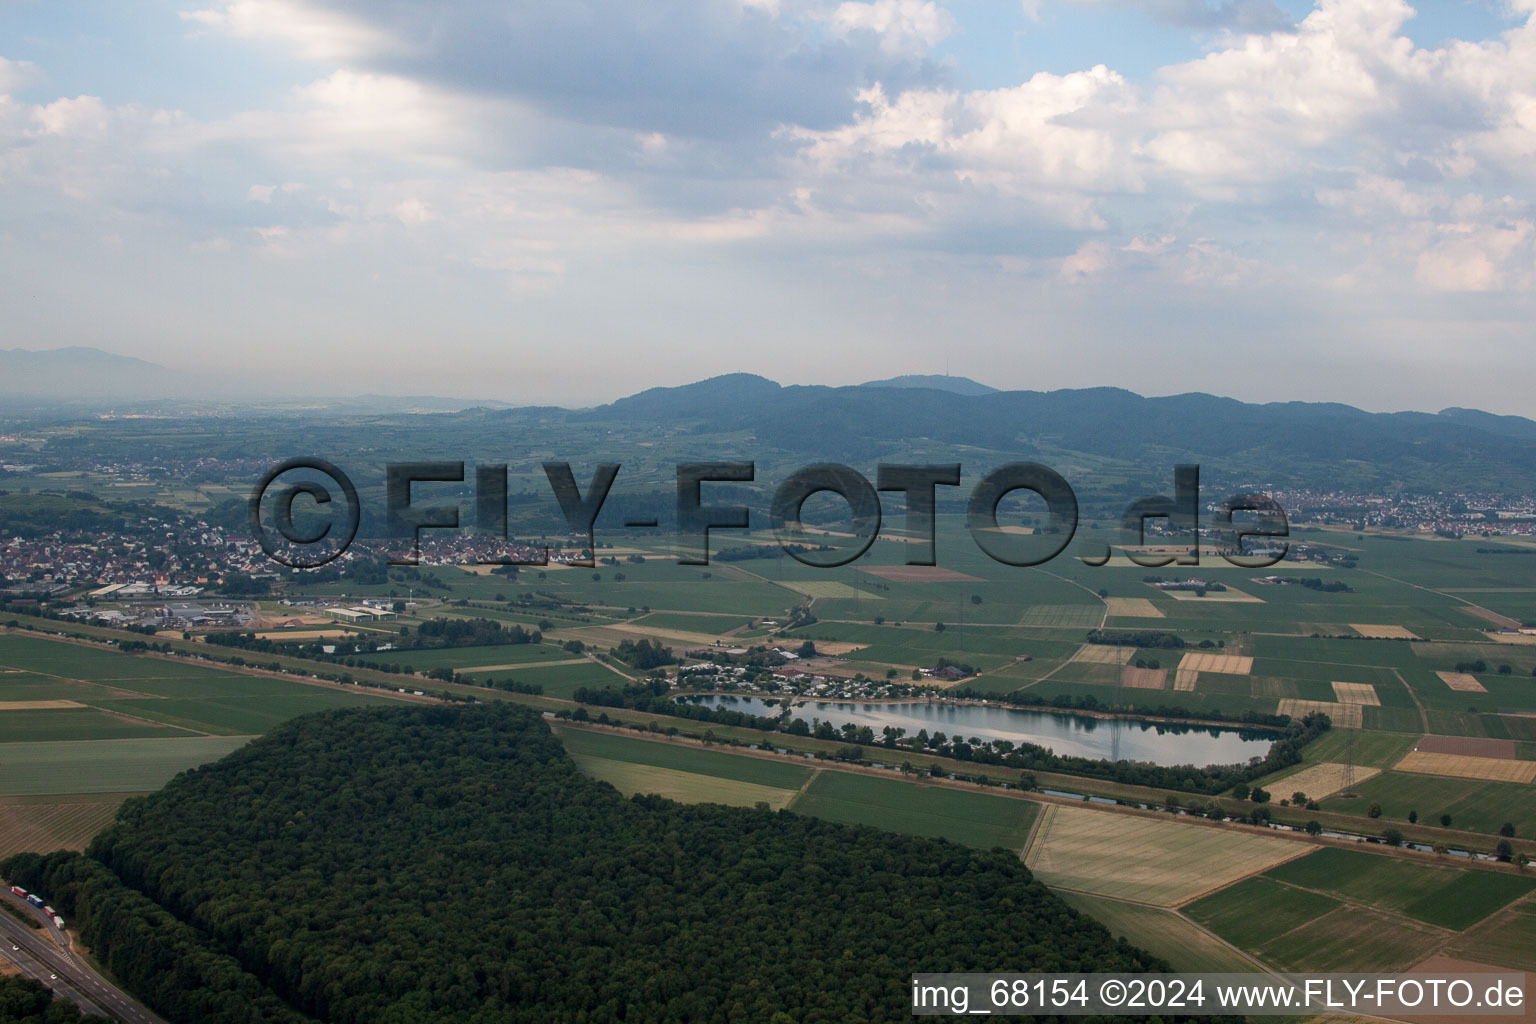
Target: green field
x=684 y=772
x=104 y=766
x=75 y=724
x=693 y=623
x=240 y=715
x=1346 y=910
x=1257 y=910
x=676 y=757
x=1507 y=939
x=688 y=787
x=1449 y=897
x=1371 y=749
x=1473 y=804
x=974 y=819
x=467 y=657
x=1351 y=939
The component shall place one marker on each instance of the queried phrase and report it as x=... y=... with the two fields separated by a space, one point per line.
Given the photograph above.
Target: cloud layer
x=580 y=165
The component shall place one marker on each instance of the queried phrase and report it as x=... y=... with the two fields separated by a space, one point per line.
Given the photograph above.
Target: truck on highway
x=34 y=899
x=18 y=890
x=58 y=922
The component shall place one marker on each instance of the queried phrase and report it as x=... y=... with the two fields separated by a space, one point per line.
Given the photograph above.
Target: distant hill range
x=79 y=372
x=83 y=376
x=1303 y=444
x=1312 y=444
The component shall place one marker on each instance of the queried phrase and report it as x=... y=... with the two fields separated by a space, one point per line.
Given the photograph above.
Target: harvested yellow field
x=1104 y=654
x=523 y=664
x=1383 y=632
x=1461 y=682
x=70 y=823
x=681 y=636
x=1147 y=860
x=1344 y=716
x=1203 y=661
x=1460 y=766
x=1319 y=780
x=38 y=705
x=303 y=634
x=1144 y=678
x=1133 y=608
x=1231 y=595
x=1356 y=693
x=1514 y=638
x=827 y=589
x=1185 y=680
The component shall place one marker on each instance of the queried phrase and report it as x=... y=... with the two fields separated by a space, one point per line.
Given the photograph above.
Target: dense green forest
x=430 y=864
x=24 y=1001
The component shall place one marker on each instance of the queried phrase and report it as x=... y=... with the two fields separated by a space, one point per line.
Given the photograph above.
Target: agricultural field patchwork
x=1320 y=781
x=1347 y=910
x=1356 y=693
x=1436 y=894
x=1380 y=632
x=1351 y=939
x=1461 y=682
x=1343 y=716
x=1104 y=654
x=1508 y=939
x=1165 y=933
x=1144 y=678
x=1204 y=661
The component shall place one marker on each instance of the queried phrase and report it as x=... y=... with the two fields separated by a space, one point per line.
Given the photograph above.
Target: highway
x=39 y=957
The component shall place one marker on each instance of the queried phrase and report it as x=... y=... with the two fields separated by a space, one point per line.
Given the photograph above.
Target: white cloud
x=903 y=26
x=313 y=31
x=81 y=115
x=14 y=74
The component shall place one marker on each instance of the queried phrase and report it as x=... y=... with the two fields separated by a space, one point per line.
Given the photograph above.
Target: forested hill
x=450 y=864
x=1318 y=444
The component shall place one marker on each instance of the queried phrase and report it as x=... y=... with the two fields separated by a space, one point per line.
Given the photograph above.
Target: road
x=38 y=957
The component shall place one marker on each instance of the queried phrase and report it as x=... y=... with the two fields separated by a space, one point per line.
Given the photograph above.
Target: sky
x=565 y=203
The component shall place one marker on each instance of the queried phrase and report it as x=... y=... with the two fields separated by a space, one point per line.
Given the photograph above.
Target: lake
x=1113 y=739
